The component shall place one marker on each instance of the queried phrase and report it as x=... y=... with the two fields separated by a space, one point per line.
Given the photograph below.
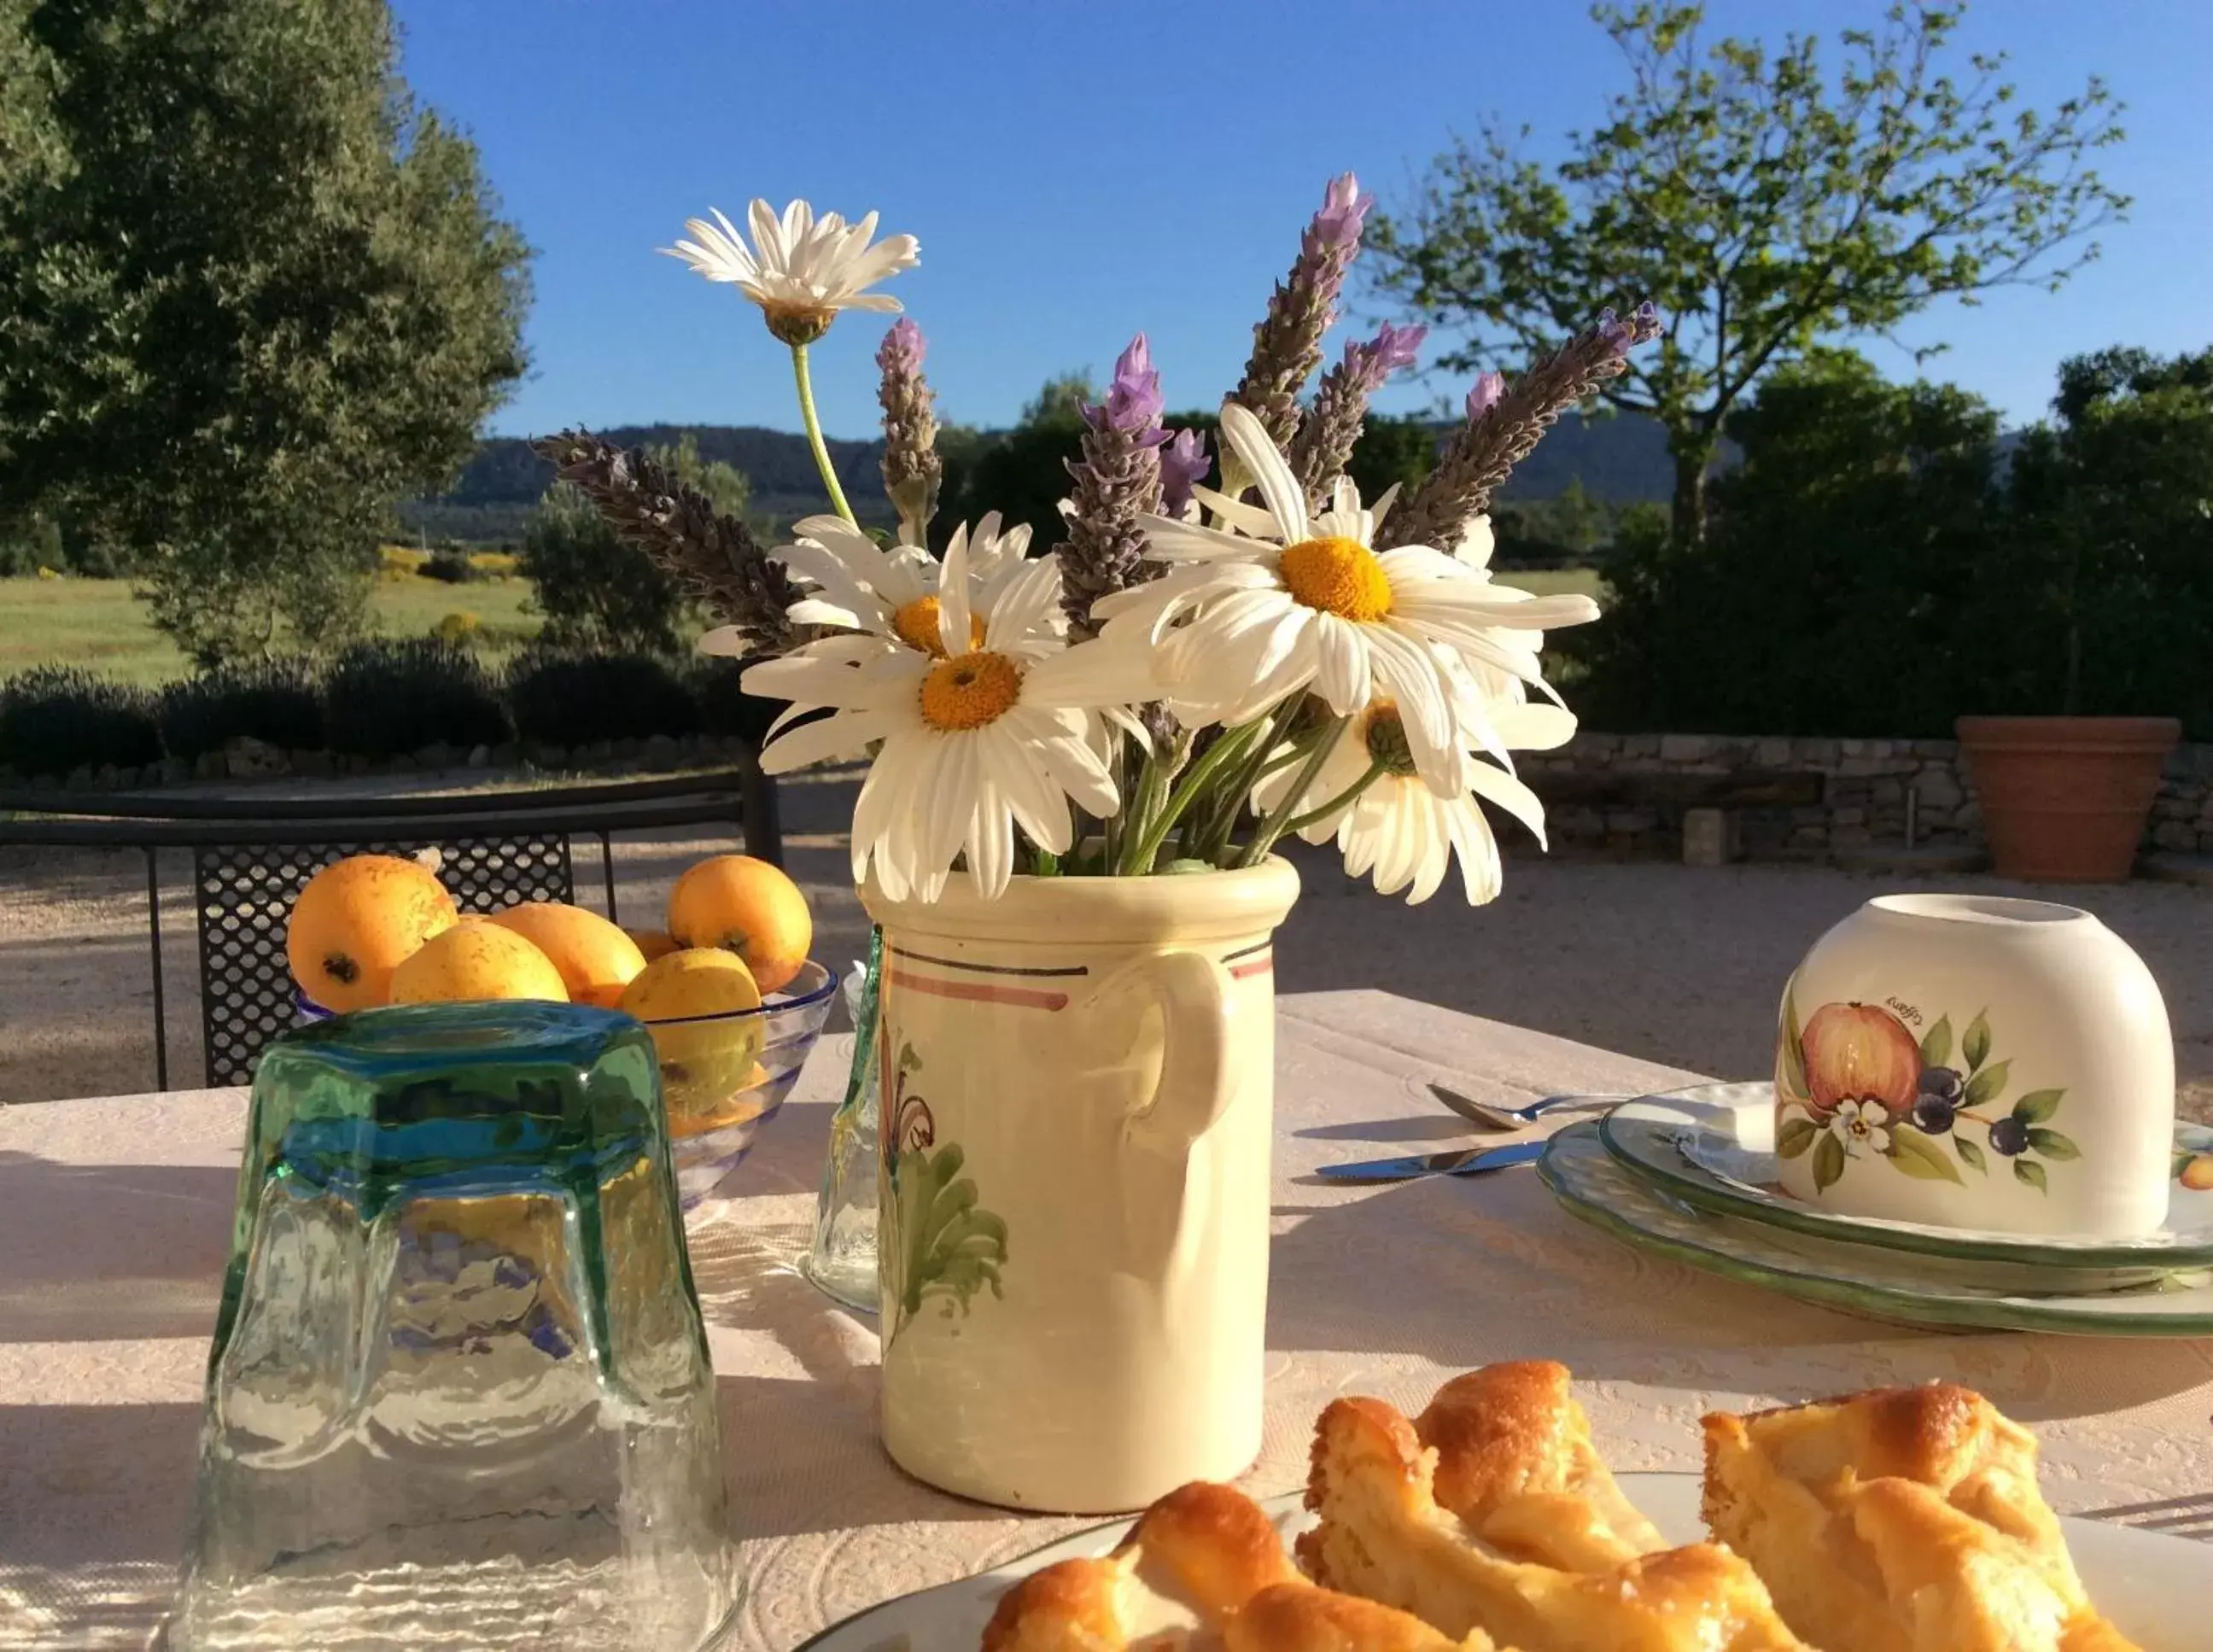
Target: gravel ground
x=1677 y=965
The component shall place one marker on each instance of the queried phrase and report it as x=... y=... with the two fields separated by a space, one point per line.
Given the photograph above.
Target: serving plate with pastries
x=1898 y=1520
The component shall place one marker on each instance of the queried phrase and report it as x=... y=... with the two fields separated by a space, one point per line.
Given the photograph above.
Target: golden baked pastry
x=1202 y=1571
x=1383 y=1534
x=1901 y=1519
x=1516 y=1463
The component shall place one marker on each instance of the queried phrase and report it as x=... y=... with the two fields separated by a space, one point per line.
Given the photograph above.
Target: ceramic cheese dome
x=1978 y=1062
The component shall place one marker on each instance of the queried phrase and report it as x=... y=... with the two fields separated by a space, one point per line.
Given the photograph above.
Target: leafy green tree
x=1390 y=451
x=1848 y=583
x=250 y=295
x=1022 y=475
x=1762 y=203
x=598 y=592
x=2106 y=564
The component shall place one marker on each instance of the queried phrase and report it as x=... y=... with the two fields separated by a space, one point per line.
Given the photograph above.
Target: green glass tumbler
x=460 y=1393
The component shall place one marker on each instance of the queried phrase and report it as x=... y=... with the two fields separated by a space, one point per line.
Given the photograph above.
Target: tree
x=597 y=591
x=1763 y=203
x=2107 y=561
x=250 y=295
x=1851 y=581
x=1022 y=475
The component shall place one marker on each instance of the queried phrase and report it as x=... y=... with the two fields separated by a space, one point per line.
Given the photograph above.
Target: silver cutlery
x=1493 y=1117
x=1461 y=1161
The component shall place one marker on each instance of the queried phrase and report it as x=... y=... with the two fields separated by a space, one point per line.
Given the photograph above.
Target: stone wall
x=1803 y=799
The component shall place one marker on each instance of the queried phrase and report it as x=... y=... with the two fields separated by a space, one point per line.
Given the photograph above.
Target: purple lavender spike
x=1184 y=465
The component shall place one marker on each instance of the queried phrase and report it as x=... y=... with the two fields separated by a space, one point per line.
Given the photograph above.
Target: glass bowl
x=723 y=1077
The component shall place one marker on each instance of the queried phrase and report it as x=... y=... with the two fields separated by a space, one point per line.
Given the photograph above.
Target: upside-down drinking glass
x=460 y=1393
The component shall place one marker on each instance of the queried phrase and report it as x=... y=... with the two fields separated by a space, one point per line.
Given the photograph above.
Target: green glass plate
x=1600 y=1189
x=1706 y=1145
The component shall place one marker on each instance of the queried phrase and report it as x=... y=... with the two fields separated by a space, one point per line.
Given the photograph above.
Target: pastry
x=1202 y=1571
x=1901 y=1519
x=1383 y=1534
x=1516 y=1463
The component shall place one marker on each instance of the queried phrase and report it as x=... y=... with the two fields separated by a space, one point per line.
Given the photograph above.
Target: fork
x=1488 y=1116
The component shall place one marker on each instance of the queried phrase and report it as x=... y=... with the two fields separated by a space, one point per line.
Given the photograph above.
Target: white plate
x=2153 y=1587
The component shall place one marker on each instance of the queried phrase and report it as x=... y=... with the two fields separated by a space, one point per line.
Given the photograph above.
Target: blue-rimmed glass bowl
x=724 y=1077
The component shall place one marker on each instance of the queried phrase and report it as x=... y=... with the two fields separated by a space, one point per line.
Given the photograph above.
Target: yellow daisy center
x=916 y=622
x=1337 y=576
x=970 y=691
x=1386 y=737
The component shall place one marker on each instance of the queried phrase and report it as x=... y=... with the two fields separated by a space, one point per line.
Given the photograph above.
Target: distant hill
x=1619 y=461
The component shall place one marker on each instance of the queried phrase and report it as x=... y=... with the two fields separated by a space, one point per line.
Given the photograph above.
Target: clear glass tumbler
x=842 y=1260
x=460 y=1394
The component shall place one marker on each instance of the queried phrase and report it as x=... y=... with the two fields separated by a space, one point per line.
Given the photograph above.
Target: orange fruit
x=653 y=944
x=2198 y=1174
x=708 y=1053
x=356 y=921
x=596 y=959
x=746 y=906
x=474 y=961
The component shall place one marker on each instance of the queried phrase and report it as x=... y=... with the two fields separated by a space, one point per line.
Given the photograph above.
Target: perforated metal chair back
x=242 y=897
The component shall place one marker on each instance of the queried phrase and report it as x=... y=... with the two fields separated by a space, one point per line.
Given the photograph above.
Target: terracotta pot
x=2064 y=799
x=1073 y=1242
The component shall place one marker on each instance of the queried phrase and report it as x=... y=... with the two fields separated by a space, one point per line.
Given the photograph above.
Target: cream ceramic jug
x=1974 y=1061
x=1077 y=1091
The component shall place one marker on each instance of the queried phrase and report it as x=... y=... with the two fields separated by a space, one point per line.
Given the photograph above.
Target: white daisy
x=801 y=269
x=1397 y=830
x=890 y=591
x=1276 y=601
x=975 y=741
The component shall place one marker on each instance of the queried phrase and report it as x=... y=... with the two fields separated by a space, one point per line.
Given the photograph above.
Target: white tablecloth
x=115 y=1214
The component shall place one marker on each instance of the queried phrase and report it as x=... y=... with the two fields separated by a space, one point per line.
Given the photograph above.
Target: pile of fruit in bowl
x=726 y=990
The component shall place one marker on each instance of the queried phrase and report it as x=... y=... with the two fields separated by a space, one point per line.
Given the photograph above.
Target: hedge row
x=375 y=700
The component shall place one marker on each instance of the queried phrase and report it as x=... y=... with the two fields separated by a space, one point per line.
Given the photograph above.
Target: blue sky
x=1077 y=173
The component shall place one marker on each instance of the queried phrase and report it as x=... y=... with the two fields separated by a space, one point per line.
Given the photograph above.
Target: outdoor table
x=115 y=1214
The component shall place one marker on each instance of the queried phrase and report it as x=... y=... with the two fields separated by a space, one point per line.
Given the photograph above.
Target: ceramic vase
x=1976 y=1062
x=2064 y=799
x=1076 y=1082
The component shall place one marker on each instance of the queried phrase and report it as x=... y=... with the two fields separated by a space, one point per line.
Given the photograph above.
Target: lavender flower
x=1133 y=405
x=1323 y=447
x=1643 y=324
x=1117 y=480
x=675 y=524
x=1504 y=424
x=1287 y=345
x=911 y=468
x=1184 y=466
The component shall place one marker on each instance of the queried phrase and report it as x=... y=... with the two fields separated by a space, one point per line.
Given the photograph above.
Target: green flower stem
x=1279 y=818
x=1142 y=845
x=1261 y=759
x=814 y=435
x=1300 y=822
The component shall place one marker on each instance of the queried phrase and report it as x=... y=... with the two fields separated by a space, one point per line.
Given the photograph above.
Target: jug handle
x=1195 y=1083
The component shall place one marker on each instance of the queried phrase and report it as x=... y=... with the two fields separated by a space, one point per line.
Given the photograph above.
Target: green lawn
x=96 y=623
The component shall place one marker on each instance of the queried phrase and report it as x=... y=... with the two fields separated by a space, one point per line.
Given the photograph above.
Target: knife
x=1461 y=1161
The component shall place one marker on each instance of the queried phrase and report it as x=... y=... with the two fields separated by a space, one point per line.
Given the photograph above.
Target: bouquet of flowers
x=1192 y=672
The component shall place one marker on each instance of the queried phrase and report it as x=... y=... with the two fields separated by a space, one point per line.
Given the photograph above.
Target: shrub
x=272 y=700
x=56 y=718
x=461 y=628
x=574 y=700
x=452 y=567
x=384 y=698
x=724 y=708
